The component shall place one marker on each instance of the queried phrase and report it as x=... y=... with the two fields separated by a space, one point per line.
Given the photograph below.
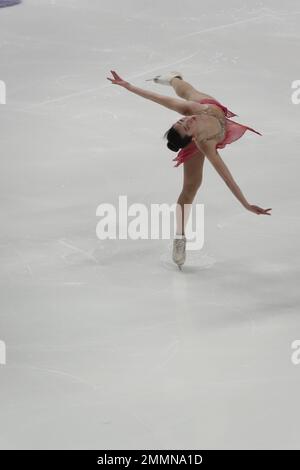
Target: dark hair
x=175 y=140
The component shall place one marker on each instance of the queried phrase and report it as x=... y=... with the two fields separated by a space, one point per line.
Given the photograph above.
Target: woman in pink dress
x=205 y=128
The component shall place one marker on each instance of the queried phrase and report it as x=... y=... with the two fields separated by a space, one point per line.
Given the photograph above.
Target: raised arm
x=177 y=105
x=209 y=148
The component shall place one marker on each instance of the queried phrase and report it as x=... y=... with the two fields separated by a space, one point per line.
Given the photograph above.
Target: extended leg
x=186 y=91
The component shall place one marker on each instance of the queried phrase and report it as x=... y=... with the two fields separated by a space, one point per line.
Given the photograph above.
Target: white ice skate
x=165 y=79
x=179 y=251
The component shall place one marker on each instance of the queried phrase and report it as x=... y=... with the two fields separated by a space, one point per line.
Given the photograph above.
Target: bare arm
x=209 y=148
x=178 y=105
x=219 y=165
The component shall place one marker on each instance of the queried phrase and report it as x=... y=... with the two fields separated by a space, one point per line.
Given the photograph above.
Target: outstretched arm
x=177 y=105
x=209 y=148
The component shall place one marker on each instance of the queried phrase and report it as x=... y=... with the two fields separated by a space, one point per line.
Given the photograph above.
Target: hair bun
x=173 y=147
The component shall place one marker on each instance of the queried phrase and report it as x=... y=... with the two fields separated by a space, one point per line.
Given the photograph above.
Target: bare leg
x=192 y=178
x=186 y=91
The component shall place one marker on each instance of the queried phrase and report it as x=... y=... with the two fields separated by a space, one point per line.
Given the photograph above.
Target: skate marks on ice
x=90 y=251
x=47 y=259
x=75 y=254
x=96 y=90
x=109 y=251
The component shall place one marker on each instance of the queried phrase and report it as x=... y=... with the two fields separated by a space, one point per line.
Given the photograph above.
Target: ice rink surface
x=108 y=345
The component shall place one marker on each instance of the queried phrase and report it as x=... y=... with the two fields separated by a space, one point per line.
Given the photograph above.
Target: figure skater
x=205 y=128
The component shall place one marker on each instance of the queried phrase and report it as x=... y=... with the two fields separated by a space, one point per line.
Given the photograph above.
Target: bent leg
x=186 y=91
x=192 y=179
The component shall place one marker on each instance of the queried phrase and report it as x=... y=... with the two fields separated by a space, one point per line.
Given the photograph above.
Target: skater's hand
x=117 y=80
x=258 y=210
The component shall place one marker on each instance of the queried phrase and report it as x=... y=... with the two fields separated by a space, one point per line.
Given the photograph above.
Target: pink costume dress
x=233 y=131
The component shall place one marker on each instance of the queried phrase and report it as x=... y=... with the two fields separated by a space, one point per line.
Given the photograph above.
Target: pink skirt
x=234 y=131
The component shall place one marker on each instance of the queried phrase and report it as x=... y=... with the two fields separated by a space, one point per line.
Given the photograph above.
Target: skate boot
x=165 y=79
x=178 y=254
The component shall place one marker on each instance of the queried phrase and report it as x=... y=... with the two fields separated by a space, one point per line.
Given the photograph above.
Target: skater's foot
x=178 y=255
x=166 y=79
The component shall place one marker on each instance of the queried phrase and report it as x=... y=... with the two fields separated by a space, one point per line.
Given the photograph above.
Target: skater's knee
x=189 y=190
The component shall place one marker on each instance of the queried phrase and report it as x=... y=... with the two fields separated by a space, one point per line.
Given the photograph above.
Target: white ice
x=109 y=346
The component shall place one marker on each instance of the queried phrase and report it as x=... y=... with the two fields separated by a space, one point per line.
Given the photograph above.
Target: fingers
x=115 y=79
x=116 y=76
x=258 y=210
x=266 y=211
